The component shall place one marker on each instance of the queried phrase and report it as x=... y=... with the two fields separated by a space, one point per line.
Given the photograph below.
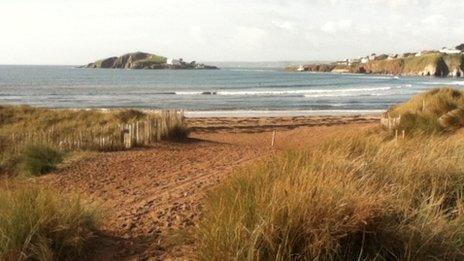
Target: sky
x=80 y=31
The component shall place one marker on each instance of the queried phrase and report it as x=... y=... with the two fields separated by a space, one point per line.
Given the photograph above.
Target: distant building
x=365 y=60
x=450 y=51
x=345 y=62
x=418 y=54
x=406 y=55
x=300 y=68
x=392 y=57
x=174 y=62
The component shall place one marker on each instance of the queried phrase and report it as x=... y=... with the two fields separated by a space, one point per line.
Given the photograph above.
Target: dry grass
x=40 y=224
x=23 y=126
x=422 y=112
x=40 y=159
x=357 y=197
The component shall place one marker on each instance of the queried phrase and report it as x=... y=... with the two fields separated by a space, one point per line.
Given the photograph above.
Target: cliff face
x=433 y=64
x=140 y=60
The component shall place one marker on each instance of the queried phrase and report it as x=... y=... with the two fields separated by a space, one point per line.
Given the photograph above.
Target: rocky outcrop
x=141 y=60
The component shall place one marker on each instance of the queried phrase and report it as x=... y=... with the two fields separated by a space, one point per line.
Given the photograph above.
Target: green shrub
x=177 y=133
x=40 y=224
x=40 y=159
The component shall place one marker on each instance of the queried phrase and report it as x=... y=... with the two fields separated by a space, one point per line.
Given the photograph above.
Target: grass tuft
x=40 y=159
x=357 y=197
x=40 y=224
x=177 y=133
x=427 y=112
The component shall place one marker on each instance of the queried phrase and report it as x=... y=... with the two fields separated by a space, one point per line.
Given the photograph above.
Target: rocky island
x=141 y=60
x=439 y=63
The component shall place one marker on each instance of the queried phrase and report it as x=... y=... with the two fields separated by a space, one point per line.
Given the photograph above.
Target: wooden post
x=137 y=138
x=403 y=134
x=273 y=138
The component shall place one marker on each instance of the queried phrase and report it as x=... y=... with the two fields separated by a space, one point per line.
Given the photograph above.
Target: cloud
x=285 y=25
x=337 y=26
x=75 y=32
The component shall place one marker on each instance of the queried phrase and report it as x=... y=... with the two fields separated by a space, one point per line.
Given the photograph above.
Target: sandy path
x=151 y=192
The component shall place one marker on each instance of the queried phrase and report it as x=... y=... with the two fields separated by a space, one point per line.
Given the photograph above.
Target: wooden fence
x=108 y=137
x=391 y=123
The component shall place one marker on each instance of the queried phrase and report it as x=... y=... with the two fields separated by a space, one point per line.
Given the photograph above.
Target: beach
x=154 y=193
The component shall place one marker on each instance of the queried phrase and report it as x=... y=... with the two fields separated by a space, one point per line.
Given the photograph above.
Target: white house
x=300 y=68
x=450 y=51
x=418 y=54
x=172 y=61
x=365 y=60
x=392 y=57
x=345 y=62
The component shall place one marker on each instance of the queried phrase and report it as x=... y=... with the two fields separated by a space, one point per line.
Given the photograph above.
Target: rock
x=460 y=47
x=108 y=63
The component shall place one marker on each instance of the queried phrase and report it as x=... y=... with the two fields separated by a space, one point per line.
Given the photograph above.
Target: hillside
x=429 y=64
x=434 y=64
x=141 y=60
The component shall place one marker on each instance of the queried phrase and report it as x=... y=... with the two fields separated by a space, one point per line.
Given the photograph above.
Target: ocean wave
x=377 y=77
x=458 y=83
x=196 y=93
x=306 y=93
x=299 y=92
x=343 y=95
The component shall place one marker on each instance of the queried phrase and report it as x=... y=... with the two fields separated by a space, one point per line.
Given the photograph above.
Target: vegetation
x=40 y=224
x=156 y=59
x=23 y=126
x=433 y=64
x=177 y=133
x=358 y=197
x=432 y=112
x=40 y=159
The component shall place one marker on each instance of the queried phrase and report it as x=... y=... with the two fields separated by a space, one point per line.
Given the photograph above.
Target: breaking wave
x=306 y=93
x=458 y=83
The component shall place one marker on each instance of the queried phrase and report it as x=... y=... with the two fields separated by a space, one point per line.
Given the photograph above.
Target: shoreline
x=226 y=113
x=277 y=113
x=269 y=124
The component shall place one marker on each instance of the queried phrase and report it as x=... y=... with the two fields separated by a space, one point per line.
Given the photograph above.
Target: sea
x=234 y=90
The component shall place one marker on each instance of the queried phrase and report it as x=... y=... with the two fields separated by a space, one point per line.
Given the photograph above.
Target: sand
x=153 y=195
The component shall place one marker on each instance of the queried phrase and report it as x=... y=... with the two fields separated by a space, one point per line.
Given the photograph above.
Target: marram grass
x=357 y=197
x=421 y=113
x=41 y=224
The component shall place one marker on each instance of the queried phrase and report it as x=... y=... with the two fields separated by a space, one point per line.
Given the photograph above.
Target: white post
x=273 y=138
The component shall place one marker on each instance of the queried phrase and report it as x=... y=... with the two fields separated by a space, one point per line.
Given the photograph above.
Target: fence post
x=273 y=138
